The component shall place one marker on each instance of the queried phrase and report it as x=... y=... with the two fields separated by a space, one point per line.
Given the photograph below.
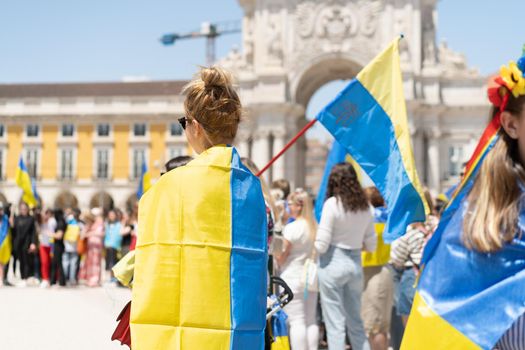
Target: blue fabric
x=380 y=215
x=113 y=239
x=368 y=135
x=337 y=155
x=405 y=292
x=248 y=258
x=279 y=327
x=4 y=229
x=489 y=286
x=140 y=190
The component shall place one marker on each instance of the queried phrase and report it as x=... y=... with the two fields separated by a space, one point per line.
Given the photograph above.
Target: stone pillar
x=434 y=171
x=261 y=150
x=242 y=144
x=278 y=144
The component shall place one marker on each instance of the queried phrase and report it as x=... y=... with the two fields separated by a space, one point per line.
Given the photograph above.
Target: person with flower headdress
x=471 y=291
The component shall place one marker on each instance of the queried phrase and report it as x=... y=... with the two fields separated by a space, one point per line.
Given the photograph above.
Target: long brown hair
x=492 y=215
x=344 y=185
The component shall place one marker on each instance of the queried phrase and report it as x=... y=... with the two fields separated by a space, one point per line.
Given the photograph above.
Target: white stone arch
x=319 y=71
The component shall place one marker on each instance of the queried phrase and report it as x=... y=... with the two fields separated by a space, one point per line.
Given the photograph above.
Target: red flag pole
x=288 y=145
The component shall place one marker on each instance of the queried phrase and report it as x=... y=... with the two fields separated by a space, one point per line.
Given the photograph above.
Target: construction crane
x=208 y=30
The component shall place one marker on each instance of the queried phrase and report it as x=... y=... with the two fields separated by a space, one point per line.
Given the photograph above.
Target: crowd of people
x=64 y=247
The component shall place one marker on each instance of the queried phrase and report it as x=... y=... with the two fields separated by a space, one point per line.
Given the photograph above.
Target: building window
x=32 y=130
x=139 y=129
x=175 y=152
x=456 y=158
x=175 y=129
x=32 y=162
x=139 y=157
x=103 y=130
x=66 y=164
x=103 y=164
x=2 y=129
x=68 y=130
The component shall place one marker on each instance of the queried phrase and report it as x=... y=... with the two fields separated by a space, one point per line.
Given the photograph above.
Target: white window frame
x=95 y=162
x=3 y=162
x=38 y=153
x=73 y=163
x=131 y=159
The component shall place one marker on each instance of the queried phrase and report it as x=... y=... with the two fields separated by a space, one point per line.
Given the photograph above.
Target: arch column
x=261 y=150
x=279 y=141
x=434 y=171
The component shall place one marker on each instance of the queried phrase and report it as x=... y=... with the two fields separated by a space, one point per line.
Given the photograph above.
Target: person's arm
x=325 y=228
x=34 y=237
x=281 y=258
x=400 y=251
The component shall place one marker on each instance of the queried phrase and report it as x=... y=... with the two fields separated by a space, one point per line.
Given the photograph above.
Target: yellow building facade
x=84 y=144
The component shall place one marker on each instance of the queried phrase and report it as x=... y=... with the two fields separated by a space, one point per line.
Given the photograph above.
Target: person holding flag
x=471 y=291
x=5 y=243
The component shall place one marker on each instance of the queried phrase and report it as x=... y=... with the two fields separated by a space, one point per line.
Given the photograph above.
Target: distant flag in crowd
x=279 y=327
x=23 y=180
x=145 y=180
x=368 y=118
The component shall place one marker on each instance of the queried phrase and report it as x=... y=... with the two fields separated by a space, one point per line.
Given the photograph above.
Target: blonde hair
x=493 y=209
x=264 y=186
x=212 y=100
x=301 y=197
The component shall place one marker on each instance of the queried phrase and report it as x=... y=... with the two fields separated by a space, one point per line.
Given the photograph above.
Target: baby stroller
x=276 y=332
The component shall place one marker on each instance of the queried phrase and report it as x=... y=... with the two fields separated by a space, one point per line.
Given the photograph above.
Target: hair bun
x=215 y=76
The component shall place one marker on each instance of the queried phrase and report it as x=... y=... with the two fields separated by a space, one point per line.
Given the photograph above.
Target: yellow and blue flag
x=23 y=180
x=145 y=180
x=465 y=299
x=369 y=119
x=201 y=257
x=279 y=328
x=337 y=155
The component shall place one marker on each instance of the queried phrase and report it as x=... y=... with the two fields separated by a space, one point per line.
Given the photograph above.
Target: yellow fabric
x=124 y=269
x=281 y=343
x=388 y=92
x=382 y=253
x=24 y=182
x=5 y=250
x=425 y=330
x=181 y=288
x=72 y=233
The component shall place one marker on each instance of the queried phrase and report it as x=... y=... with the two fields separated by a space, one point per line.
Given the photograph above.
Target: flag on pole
x=23 y=180
x=145 y=181
x=452 y=312
x=368 y=118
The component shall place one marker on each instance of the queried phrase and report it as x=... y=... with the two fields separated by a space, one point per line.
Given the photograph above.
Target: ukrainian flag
x=23 y=180
x=466 y=300
x=145 y=181
x=200 y=264
x=368 y=118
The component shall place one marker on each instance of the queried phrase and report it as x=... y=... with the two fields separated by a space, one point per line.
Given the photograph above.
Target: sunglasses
x=182 y=121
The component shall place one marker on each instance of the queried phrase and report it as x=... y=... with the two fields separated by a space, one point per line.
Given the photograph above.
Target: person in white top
x=298 y=246
x=346 y=228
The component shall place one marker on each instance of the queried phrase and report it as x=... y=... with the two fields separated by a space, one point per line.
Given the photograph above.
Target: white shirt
x=301 y=248
x=46 y=230
x=353 y=230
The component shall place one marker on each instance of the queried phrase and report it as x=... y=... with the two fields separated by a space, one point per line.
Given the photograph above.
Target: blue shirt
x=113 y=238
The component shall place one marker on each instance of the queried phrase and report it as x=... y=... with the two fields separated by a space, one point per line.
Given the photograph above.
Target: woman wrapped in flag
x=471 y=293
x=5 y=243
x=200 y=263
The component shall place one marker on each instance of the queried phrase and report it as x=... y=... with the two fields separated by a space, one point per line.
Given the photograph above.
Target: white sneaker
x=22 y=284
x=44 y=284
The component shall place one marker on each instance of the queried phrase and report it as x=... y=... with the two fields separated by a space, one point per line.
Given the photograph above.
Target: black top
x=24 y=232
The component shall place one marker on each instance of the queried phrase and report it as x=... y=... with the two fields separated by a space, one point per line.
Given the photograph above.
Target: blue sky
x=106 y=40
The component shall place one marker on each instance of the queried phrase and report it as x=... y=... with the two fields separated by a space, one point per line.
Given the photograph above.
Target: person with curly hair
x=345 y=229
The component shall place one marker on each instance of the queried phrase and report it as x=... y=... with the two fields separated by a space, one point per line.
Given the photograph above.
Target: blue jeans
x=69 y=264
x=341 y=286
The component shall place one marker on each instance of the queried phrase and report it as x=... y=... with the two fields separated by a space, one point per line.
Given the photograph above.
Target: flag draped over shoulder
x=201 y=257
x=465 y=299
x=145 y=181
x=368 y=118
x=23 y=180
